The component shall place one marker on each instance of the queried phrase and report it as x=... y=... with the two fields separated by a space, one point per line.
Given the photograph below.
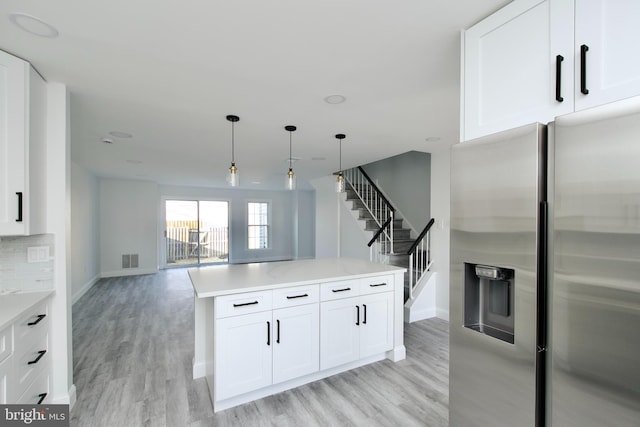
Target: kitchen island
x=268 y=327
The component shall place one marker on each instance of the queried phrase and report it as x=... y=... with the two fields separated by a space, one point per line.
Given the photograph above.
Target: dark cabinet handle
x=245 y=303
x=268 y=333
x=278 y=331
x=35 y=322
x=340 y=290
x=19 y=194
x=37 y=359
x=583 y=69
x=364 y=321
x=357 y=315
x=378 y=284
x=559 y=59
x=42 y=397
x=297 y=296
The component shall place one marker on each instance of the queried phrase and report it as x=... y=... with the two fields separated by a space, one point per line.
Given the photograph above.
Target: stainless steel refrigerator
x=545 y=273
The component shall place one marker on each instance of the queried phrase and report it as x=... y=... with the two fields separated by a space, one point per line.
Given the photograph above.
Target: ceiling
x=168 y=72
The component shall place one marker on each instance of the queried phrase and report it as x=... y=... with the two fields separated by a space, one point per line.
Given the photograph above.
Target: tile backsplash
x=16 y=272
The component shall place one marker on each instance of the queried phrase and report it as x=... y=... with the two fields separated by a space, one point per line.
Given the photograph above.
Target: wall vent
x=130 y=261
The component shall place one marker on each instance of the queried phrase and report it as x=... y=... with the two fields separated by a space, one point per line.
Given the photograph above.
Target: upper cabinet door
x=509 y=70
x=609 y=67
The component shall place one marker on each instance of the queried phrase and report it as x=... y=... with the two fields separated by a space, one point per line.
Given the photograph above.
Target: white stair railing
x=420 y=257
x=381 y=211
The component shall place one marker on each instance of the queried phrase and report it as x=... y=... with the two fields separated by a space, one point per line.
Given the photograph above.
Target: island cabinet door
x=376 y=325
x=296 y=346
x=242 y=354
x=339 y=334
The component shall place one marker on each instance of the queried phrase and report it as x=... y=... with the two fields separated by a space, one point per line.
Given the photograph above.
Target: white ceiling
x=170 y=71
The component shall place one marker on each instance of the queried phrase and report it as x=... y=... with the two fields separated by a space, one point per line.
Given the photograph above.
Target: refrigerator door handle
x=541 y=312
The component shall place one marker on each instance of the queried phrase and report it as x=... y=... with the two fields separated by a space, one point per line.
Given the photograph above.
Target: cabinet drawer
x=6 y=343
x=373 y=285
x=298 y=295
x=29 y=364
x=37 y=392
x=250 y=302
x=34 y=323
x=339 y=289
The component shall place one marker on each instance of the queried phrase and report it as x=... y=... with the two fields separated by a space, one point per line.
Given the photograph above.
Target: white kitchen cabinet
x=355 y=328
x=243 y=356
x=296 y=342
x=609 y=29
x=22 y=148
x=535 y=60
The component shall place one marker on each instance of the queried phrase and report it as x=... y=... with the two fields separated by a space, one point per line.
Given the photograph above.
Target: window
x=258 y=225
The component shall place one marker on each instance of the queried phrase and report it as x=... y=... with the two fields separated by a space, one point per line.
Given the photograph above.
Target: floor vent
x=130 y=261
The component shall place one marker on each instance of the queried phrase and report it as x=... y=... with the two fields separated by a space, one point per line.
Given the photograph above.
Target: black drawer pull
x=35 y=322
x=583 y=69
x=19 y=194
x=278 y=331
x=378 y=284
x=357 y=315
x=364 y=322
x=42 y=396
x=245 y=303
x=297 y=296
x=559 y=59
x=37 y=359
x=340 y=290
x=268 y=333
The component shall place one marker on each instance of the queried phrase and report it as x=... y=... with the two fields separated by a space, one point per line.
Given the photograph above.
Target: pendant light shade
x=233 y=179
x=290 y=181
x=340 y=185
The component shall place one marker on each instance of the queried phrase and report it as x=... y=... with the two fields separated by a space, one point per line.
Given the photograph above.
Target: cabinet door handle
x=340 y=290
x=42 y=397
x=583 y=69
x=245 y=303
x=378 y=284
x=297 y=296
x=19 y=194
x=35 y=322
x=559 y=59
x=357 y=315
x=37 y=359
x=278 y=331
x=364 y=322
x=268 y=333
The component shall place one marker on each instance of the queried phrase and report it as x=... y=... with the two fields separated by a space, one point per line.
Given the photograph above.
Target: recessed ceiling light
x=33 y=25
x=432 y=138
x=119 y=134
x=293 y=159
x=256 y=182
x=106 y=140
x=335 y=99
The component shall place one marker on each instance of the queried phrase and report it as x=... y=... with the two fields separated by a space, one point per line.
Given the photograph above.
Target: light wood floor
x=132 y=353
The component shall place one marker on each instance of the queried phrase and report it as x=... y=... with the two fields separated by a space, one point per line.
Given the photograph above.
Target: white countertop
x=237 y=278
x=13 y=305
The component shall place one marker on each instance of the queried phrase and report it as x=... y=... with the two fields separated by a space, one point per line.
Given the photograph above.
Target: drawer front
x=297 y=295
x=339 y=289
x=37 y=392
x=237 y=304
x=31 y=363
x=33 y=323
x=6 y=343
x=373 y=285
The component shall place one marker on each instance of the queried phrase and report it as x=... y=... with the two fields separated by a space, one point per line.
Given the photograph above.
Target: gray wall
x=406 y=181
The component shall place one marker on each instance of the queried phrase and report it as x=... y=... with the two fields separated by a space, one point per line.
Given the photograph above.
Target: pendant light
x=340 y=181
x=232 y=177
x=290 y=182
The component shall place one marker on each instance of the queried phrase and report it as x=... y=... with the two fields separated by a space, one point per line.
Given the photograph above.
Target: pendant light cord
x=289 y=150
x=233 y=150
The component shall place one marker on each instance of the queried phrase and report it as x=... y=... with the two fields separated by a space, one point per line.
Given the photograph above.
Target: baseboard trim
x=68 y=399
x=128 y=272
x=83 y=290
x=442 y=314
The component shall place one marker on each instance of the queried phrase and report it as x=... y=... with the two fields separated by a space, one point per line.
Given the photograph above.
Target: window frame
x=267 y=226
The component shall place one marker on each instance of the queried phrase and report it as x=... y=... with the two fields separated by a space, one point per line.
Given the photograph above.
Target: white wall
x=353 y=239
x=128 y=225
x=440 y=210
x=406 y=181
x=85 y=236
x=292 y=220
x=327 y=218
